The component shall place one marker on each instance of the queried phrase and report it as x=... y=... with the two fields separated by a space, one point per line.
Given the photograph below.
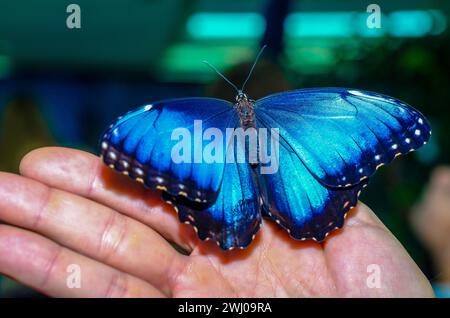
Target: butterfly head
x=241 y=97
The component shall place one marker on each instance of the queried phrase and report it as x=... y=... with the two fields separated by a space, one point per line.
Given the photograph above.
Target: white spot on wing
x=124 y=164
x=138 y=172
x=112 y=155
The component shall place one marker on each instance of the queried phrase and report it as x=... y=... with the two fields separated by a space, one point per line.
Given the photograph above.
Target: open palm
x=68 y=208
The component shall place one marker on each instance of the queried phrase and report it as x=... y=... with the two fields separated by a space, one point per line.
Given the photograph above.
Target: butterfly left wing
x=297 y=201
x=140 y=145
x=342 y=135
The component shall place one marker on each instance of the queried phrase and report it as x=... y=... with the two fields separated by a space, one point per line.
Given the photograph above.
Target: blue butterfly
x=331 y=140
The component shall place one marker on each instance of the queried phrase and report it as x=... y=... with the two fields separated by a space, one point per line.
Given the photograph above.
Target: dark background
x=61 y=86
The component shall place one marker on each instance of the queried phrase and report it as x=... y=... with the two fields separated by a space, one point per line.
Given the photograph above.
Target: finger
x=379 y=265
x=89 y=228
x=52 y=269
x=84 y=174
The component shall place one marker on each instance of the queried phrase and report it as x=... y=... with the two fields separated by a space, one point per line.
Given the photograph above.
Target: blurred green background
x=62 y=86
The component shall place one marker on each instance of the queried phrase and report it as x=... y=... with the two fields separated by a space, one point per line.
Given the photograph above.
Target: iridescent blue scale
x=331 y=141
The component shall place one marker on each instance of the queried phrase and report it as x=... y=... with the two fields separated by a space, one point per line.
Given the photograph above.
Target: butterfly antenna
x=221 y=75
x=253 y=66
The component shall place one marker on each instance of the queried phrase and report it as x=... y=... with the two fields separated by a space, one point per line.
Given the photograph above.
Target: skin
x=431 y=221
x=66 y=208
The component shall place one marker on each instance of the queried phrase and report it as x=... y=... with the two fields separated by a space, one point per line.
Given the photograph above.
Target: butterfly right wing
x=344 y=135
x=297 y=201
x=140 y=145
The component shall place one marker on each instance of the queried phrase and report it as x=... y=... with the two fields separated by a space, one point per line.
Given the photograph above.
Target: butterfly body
x=320 y=147
x=245 y=109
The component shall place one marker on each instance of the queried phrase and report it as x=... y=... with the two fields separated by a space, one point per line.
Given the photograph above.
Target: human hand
x=68 y=208
x=431 y=221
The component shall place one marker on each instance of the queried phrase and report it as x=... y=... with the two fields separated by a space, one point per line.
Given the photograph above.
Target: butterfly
x=330 y=141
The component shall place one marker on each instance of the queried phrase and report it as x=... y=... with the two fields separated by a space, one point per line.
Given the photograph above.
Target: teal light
x=183 y=61
x=319 y=24
x=410 y=23
x=226 y=25
x=439 y=22
x=363 y=30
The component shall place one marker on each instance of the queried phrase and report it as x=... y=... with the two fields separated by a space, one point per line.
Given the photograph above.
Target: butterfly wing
x=140 y=145
x=297 y=201
x=342 y=135
x=235 y=217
